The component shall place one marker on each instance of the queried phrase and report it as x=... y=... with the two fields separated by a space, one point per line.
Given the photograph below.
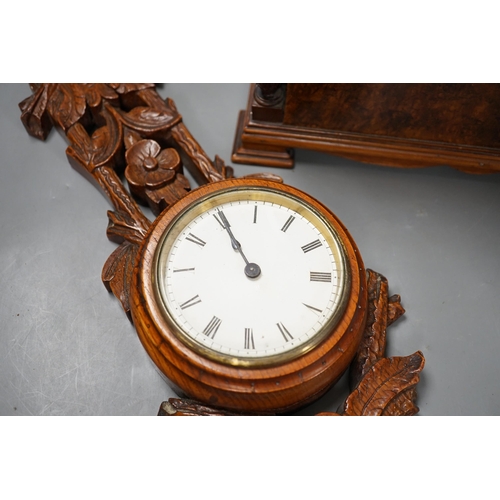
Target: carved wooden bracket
x=119 y=131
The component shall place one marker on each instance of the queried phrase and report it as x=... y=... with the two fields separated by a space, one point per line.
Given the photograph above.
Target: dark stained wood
x=259 y=153
x=405 y=125
x=268 y=102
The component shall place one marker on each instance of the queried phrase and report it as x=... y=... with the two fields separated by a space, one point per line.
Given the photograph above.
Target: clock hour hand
x=252 y=270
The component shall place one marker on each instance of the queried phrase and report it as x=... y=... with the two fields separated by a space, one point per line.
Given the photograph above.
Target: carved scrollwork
x=110 y=126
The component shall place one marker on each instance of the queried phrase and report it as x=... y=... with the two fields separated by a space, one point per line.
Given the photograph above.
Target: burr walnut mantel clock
x=402 y=125
x=249 y=295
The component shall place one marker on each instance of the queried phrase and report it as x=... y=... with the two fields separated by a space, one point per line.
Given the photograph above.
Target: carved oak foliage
x=64 y=104
x=34 y=114
x=175 y=407
x=387 y=381
x=148 y=120
x=123 y=227
x=117 y=273
x=382 y=386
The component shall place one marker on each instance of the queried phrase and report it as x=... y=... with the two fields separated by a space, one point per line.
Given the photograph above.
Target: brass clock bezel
x=272 y=194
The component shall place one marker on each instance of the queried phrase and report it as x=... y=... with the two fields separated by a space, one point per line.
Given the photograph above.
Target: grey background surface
x=66 y=347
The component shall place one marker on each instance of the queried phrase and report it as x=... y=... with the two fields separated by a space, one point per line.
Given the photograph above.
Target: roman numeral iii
x=322 y=277
x=311 y=246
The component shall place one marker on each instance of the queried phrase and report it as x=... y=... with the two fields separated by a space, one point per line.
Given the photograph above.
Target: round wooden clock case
x=247 y=384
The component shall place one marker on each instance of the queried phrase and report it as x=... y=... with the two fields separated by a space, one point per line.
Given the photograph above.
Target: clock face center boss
x=250 y=295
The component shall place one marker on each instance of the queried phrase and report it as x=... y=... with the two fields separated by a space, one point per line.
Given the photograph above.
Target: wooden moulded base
x=401 y=125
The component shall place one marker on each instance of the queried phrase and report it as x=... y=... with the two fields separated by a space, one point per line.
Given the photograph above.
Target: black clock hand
x=252 y=270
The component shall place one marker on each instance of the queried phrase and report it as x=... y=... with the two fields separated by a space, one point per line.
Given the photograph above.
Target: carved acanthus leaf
x=394 y=309
x=149 y=120
x=66 y=106
x=125 y=88
x=403 y=404
x=265 y=176
x=35 y=117
x=175 y=407
x=122 y=227
x=381 y=312
x=386 y=381
x=117 y=273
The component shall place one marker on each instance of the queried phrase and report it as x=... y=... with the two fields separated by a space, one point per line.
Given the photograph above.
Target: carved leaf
x=403 y=404
x=394 y=309
x=149 y=120
x=94 y=92
x=384 y=382
x=117 y=273
x=81 y=148
x=122 y=227
x=175 y=407
x=35 y=117
x=125 y=88
x=106 y=140
x=265 y=176
x=373 y=342
x=65 y=106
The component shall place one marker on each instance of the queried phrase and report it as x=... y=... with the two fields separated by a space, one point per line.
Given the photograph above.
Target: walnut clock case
x=249 y=295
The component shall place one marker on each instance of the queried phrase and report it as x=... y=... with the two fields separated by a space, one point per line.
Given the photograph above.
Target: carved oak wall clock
x=249 y=295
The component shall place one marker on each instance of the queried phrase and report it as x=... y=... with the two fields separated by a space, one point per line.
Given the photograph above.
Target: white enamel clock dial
x=251 y=276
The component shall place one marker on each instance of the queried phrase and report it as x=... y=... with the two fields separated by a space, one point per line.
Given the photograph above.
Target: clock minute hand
x=234 y=242
x=252 y=270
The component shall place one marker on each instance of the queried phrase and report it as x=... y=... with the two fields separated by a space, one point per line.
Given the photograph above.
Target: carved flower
x=148 y=167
